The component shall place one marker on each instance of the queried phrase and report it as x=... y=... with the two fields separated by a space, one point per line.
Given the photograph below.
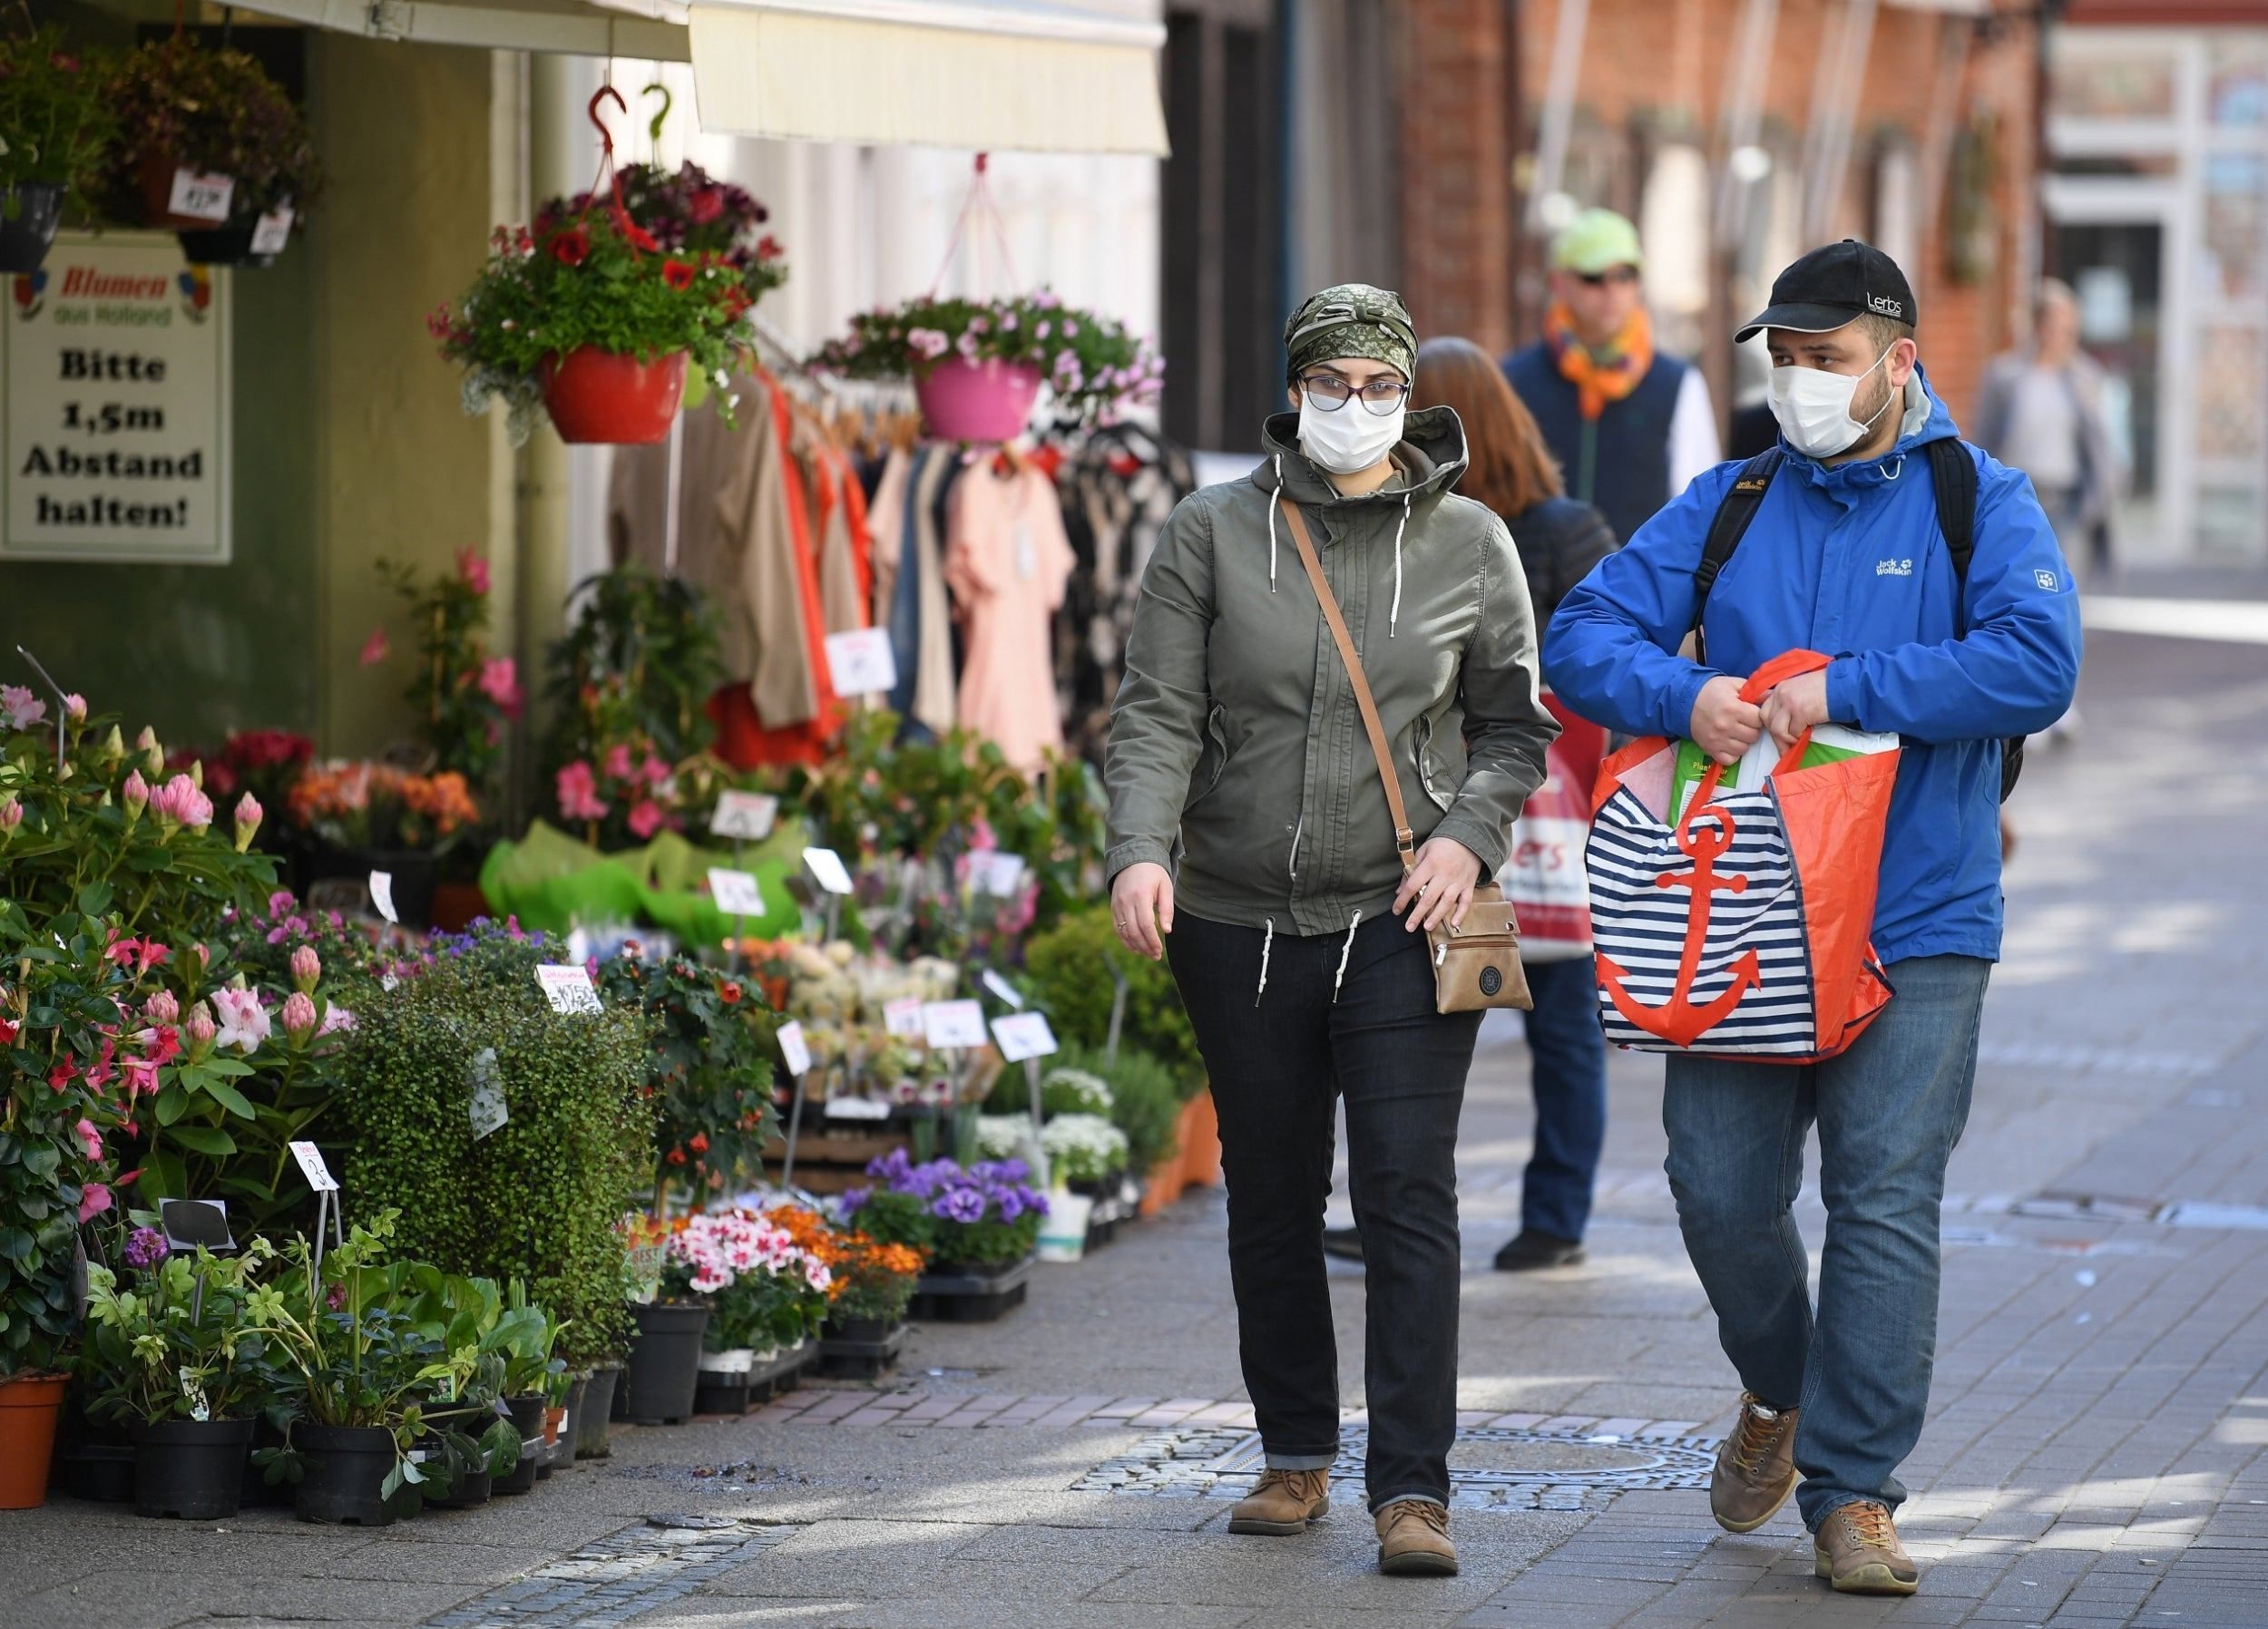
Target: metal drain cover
x=1490 y=1468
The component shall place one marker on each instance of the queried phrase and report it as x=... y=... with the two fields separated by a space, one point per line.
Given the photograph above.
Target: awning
x=645 y=30
x=1000 y=76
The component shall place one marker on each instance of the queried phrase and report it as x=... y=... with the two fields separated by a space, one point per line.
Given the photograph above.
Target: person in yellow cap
x=1630 y=426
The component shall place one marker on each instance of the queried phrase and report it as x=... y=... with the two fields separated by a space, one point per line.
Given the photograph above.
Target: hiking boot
x=1756 y=1467
x=1345 y=1243
x=1414 y=1541
x=1856 y=1549
x=1283 y=1503
x=1532 y=1250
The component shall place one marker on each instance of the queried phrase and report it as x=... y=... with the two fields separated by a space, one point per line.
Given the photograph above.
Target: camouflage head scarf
x=1352 y=319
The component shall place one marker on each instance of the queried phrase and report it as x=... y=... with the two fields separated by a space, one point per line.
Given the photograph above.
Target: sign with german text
x=114 y=429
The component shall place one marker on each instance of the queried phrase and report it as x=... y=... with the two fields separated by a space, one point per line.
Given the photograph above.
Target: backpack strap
x=1953 y=476
x=1729 y=525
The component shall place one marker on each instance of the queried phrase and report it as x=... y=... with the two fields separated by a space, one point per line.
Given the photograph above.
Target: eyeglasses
x=1329 y=392
x=1613 y=274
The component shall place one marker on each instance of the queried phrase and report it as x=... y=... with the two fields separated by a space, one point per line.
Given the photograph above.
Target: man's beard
x=1870 y=414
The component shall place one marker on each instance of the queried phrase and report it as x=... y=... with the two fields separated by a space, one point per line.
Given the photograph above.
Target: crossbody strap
x=1404 y=839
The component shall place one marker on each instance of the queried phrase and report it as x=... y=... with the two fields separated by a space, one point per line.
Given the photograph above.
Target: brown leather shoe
x=1414 y=1541
x=1856 y=1549
x=1756 y=1467
x=1283 y=1503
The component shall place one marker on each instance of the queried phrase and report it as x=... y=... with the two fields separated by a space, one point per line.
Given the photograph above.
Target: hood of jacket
x=1922 y=419
x=1432 y=454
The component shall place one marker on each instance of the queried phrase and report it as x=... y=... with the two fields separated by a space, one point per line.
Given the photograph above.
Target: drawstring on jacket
x=1279 y=487
x=1345 y=951
x=1264 y=944
x=1399 y=527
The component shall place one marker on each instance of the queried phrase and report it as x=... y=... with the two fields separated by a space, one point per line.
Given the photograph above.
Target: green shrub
x=1069 y=967
x=538 y=1198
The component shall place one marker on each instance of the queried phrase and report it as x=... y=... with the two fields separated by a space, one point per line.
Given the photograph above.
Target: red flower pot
x=595 y=396
x=28 y=1407
x=986 y=401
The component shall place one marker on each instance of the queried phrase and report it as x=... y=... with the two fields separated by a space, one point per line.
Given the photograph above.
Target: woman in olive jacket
x=1245 y=797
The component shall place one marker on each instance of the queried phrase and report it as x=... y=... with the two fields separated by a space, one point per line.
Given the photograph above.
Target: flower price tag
x=827 y=870
x=382 y=895
x=1005 y=990
x=953 y=1024
x=995 y=873
x=735 y=892
x=747 y=814
x=312 y=1167
x=488 y=1110
x=1023 y=1035
x=272 y=232
x=861 y=662
x=794 y=1047
x=569 y=988
x=903 y=1017
x=856 y=1108
x=198 y=197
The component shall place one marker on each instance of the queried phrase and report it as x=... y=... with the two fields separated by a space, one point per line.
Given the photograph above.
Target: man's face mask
x=1813 y=408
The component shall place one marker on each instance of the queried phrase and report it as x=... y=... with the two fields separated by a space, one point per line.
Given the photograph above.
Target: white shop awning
x=646 y=30
x=998 y=75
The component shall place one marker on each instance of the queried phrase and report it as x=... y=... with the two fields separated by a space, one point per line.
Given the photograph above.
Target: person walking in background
x=1559 y=540
x=1847 y=550
x=1630 y=426
x=1292 y=927
x=2042 y=412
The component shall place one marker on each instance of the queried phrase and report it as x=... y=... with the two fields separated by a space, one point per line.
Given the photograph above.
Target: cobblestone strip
x=614 y=1579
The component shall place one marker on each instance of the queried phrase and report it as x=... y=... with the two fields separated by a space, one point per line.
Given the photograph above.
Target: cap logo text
x=1882 y=304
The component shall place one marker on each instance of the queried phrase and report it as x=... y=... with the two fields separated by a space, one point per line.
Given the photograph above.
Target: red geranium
x=677 y=274
x=572 y=246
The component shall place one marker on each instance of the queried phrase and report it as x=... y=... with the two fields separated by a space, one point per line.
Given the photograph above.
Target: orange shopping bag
x=1737 y=927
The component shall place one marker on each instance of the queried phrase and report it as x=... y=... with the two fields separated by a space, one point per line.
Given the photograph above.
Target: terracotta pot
x=1164 y=1185
x=1200 y=1141
x=988 y=401
x=28 y=1407
x=603 y=396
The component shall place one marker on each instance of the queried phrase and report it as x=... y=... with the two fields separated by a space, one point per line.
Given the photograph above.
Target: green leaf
x=234 y=1101
x=16 y=1244
x=42 y=1159
x=171 y=1101
x=208 y=1140
x=94 y=899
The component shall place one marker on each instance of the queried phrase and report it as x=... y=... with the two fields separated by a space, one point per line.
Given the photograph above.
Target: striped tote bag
x=1738 y=927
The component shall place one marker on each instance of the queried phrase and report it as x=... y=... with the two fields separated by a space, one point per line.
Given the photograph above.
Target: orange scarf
x=1608 y=374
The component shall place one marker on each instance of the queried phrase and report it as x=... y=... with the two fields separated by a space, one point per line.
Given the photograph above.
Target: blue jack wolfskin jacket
x=1848 y=560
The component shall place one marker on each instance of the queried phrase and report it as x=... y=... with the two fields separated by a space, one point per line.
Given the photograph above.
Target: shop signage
x=114 y=406
x=1023 y=1035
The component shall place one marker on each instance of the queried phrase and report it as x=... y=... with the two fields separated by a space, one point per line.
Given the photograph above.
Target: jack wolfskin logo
x=1492 y=981
x=1893 y=568
x=1882 y=304
x=2046 y=579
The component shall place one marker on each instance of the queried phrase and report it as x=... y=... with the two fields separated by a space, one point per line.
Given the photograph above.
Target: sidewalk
x=2095 y=1454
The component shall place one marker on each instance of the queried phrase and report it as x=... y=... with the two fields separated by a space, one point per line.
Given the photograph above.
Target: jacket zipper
x=1296 y=831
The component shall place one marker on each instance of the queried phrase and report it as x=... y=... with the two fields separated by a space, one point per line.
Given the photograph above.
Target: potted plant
x=210 y=145
x=778 y=1297
x=665 y=1352
x=977 y=366
x=978 y=1225
x=527 y=1337
x=871 y=1285
x=176 y=1356
x=56 y=120
x=688 y=212
x=1086 y=1154
x=595 y=324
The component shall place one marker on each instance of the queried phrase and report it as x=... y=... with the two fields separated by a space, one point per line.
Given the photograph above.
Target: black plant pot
x=598 y=1407
x=259 y=1493
x=859 y=1328
x=344 y=1476
x=468 y=1490
x=103 y=1472
x=29 y=215
x=527 y=1418
x=226 y=245
x=665 y=1361
x=192 y=1468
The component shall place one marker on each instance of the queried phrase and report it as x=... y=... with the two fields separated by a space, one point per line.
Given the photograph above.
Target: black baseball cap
x=1833 y=285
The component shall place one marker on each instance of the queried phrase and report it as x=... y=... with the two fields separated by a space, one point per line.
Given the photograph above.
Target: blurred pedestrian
x=1847 y=549
x=1559 y=540
x=1630 y=426
x=1237 y=743
x=2042 y=412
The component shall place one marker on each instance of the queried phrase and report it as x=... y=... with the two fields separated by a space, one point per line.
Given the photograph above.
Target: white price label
x=993 y=872
x=272 y=232
x=1023 y=1035
x=568 y=988
x=953 y=1024
x=747 y=814
x=827 y=870
x=201 y=197
x=488 y=1110
x=856 y=1108
x=312 y=1167
x=794 y=1047
x=861 y=662
x=382 y=895
x=903 y=1018
x=1003 y=990
x=735 y=892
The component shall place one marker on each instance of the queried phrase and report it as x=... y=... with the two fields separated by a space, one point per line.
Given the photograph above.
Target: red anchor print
x=1678 y=1021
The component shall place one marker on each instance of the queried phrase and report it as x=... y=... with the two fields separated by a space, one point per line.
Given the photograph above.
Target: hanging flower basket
x=29 y=215
x=597 y=396
x=56 y=121
x=185 y=111
x=983 y=400
x=231 y=245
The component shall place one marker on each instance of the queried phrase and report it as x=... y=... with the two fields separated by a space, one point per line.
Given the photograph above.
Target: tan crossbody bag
x=1475 y=966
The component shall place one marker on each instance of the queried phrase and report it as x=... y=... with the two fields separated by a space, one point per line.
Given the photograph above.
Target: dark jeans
x=1566 y=1053
x=1277 y=1066
x=1889 y=1112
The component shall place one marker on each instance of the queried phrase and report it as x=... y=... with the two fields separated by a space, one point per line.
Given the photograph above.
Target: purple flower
x=855 y=1200
x=1010 y=1205
x=146 y=1248
x=959 y=1204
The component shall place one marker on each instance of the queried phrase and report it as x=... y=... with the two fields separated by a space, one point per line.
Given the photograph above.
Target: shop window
x=2228 y=521
x=2236 y=225
x=2232 y=393
x=2126 y=86
x=2237 y=95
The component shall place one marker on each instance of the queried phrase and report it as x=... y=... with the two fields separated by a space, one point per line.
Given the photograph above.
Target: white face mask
x=1351 y=439
x=1813 y=408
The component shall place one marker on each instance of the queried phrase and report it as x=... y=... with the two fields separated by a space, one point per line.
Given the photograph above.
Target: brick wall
x=1455 y=176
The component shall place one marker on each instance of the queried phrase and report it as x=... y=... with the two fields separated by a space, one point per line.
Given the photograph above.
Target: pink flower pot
x=988 y=401
x=595 y=396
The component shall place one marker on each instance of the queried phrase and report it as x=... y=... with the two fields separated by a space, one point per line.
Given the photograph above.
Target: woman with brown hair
x=1559 y=540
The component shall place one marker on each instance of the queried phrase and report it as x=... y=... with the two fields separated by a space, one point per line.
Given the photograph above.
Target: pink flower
x=243 y=1021
x=645 y=817
x=94 y=1202
x=248 y=819
x=142 y=1076
x=279 y=903
x=200 y=1029
x=23 y=709
x=618 y=762
x=179 y=803
x=162 y=1008
x=335 y=1018
x=375 y=650
x=11 y=814
x=135 y=794
x=299 y=1015
x=579 y=798
x=89 y=1140
x=74 y=708
x=307 y=967
x=474 y=569
x=656 y=772
x=499 y=682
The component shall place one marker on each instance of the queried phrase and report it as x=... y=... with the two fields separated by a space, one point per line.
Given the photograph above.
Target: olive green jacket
x=1236 y=726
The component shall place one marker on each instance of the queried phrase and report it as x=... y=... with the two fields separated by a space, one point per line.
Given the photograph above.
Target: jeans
x=1277 y=1059
x=1889 y=1111
x=1567 y=1051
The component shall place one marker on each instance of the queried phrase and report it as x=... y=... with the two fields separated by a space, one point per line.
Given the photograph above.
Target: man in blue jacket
x=1844 y=555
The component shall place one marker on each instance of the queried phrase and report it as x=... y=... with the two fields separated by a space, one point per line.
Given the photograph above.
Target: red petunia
x=640 y=238
x=677 y=274
x=706 y=204
x=572 y=246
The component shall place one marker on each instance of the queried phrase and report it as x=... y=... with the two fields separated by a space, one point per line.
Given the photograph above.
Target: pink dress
x=1006 y=561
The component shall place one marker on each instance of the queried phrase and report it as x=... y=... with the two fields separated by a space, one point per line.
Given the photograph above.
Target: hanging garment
x=934 y=702
x=1007 y=561
x=715 y=456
